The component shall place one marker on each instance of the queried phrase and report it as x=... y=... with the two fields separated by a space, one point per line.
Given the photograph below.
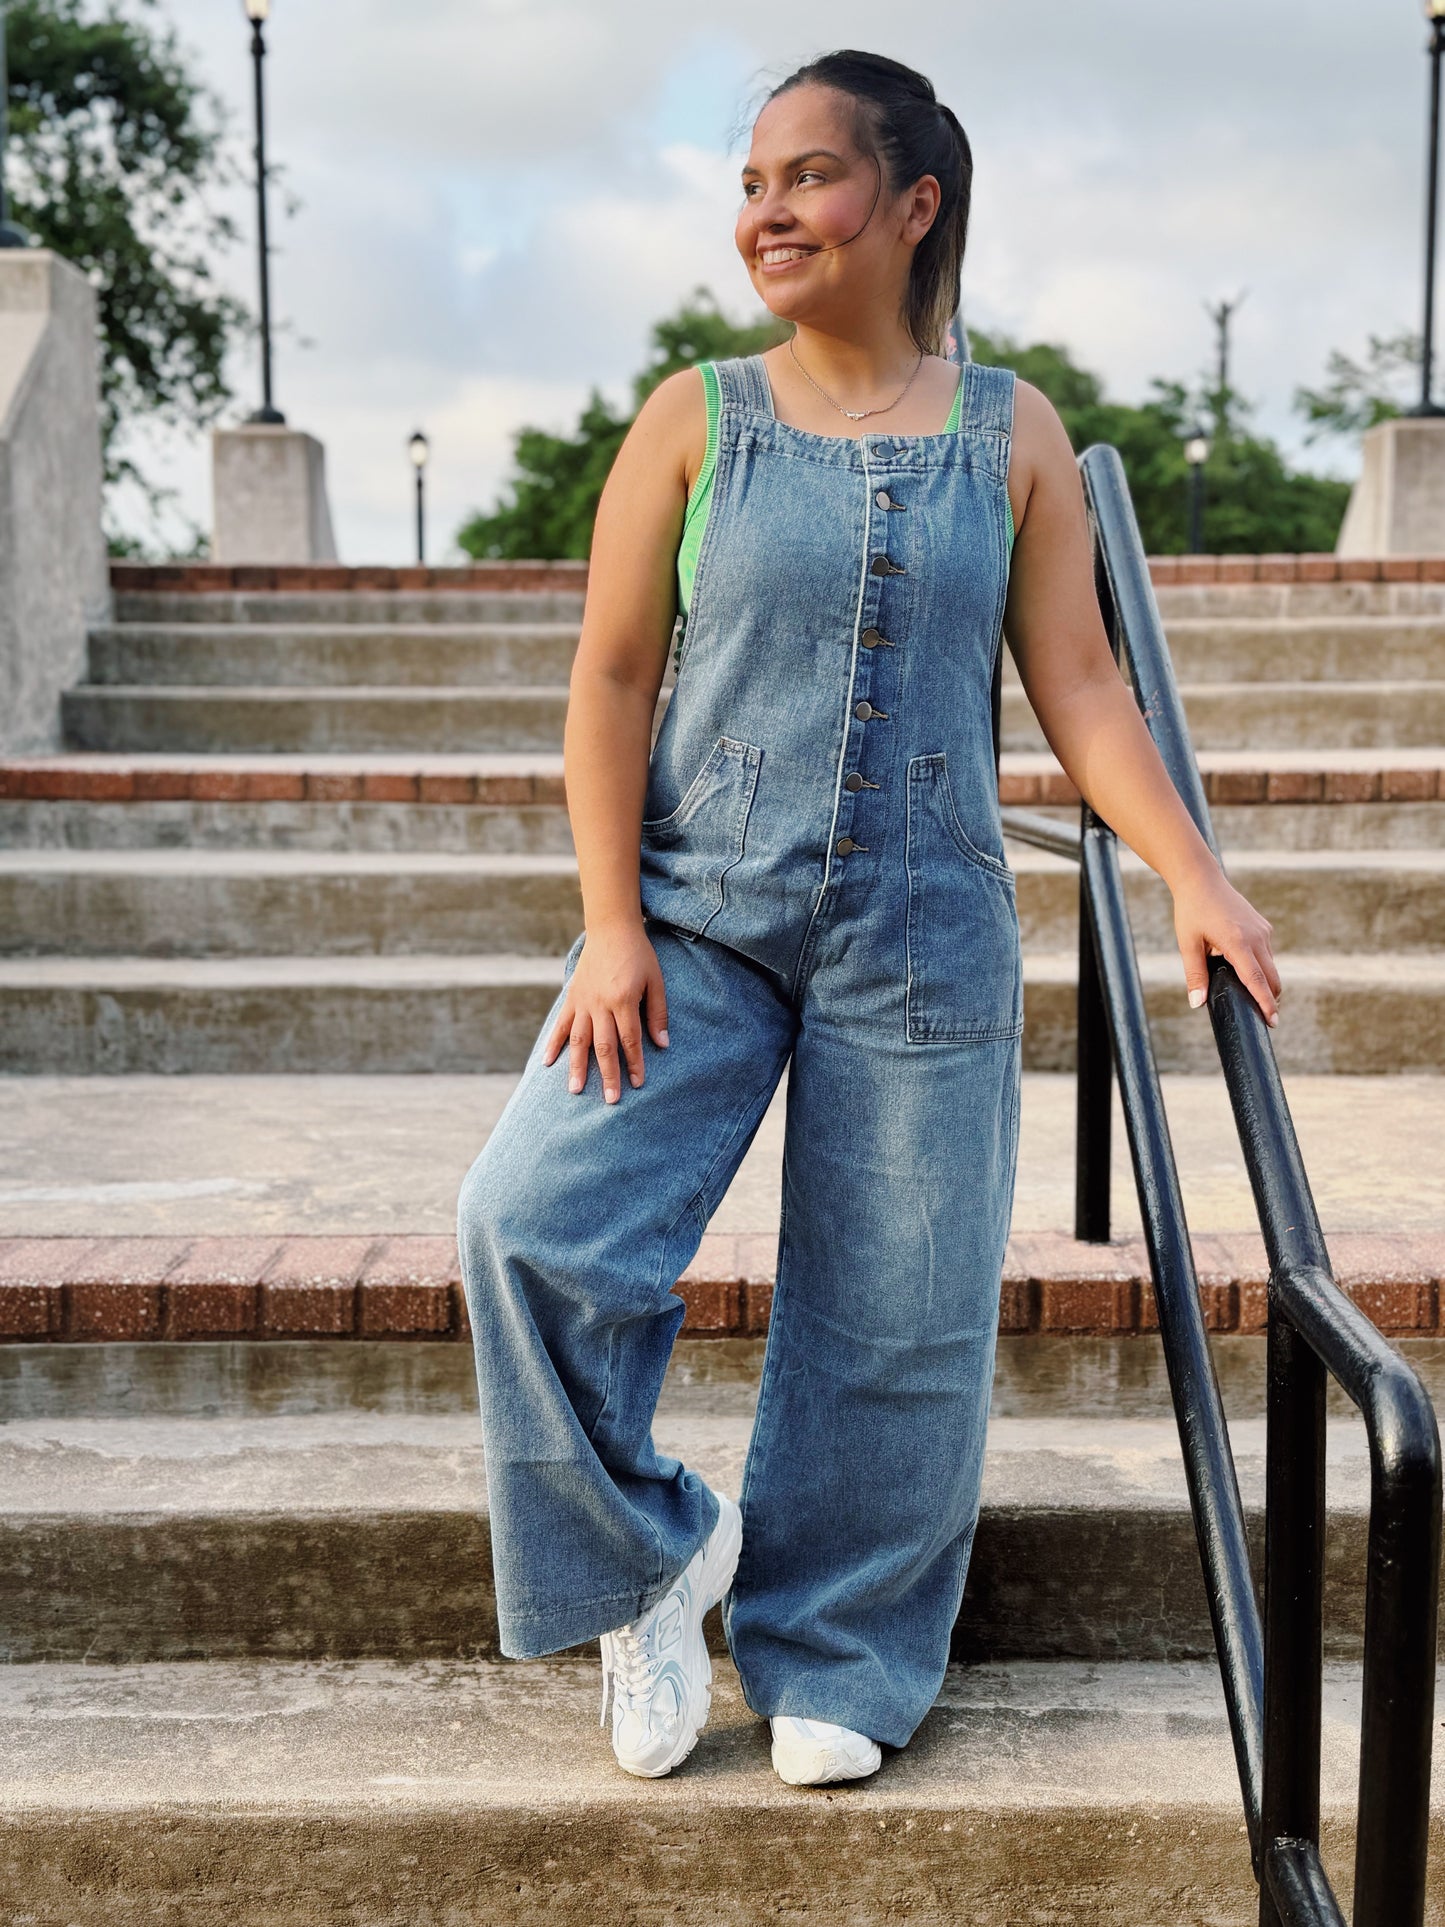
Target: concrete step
x=303 y=608
x=77 y=1015
x=260 y=903
x=141 y=1539
x=366 y=1794
x=517 y=828
x=190 y=718
x=1308 y=649
x=1283 y=715
x=489 y=651
x=429 y=720
x=348 y=654
x=209 y=902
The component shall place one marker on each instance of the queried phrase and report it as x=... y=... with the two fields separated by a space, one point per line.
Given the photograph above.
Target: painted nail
x=1196 y=998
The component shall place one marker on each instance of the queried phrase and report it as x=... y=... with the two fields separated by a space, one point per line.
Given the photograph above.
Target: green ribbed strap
x=695 y=518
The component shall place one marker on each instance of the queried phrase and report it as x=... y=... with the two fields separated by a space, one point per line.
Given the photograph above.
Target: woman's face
x=806 y=190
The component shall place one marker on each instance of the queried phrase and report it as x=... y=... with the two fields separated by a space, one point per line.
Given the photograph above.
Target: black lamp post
x=257 y=12
x=10 y=235
x=418 y=450
x=1435 y=14
x=1196 y=453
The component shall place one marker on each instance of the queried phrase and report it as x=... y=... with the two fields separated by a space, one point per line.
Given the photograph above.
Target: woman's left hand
x=1210 y=915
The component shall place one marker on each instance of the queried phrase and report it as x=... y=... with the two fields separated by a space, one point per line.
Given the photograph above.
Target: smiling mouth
x=783 y=257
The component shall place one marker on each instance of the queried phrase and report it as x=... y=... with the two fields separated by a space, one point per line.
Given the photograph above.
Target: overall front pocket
x=965 y=967
x=687 y=853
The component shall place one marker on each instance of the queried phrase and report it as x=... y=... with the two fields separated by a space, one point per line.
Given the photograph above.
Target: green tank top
x=695 y=516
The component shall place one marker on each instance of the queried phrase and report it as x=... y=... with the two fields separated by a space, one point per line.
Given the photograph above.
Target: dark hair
x=900 y=121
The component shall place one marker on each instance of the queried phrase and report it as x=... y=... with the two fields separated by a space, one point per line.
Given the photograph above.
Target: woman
x=808 y=870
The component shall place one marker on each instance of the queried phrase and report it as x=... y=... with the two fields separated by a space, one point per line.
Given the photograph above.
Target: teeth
x=784 y=254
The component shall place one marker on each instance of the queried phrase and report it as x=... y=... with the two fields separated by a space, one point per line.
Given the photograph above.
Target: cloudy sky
x=501 y=196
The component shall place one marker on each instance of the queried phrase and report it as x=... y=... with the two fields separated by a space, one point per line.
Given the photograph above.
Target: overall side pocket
x=965 y=965
x=687 y=853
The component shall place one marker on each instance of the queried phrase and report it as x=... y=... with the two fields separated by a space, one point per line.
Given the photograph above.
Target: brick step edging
x=203 y=577
x=133 y=1289
x=233 y=780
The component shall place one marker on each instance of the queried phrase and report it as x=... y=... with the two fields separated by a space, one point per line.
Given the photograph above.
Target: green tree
x=1254 y=503
x=114 y=148
x=552 y=501
x=1356 y=395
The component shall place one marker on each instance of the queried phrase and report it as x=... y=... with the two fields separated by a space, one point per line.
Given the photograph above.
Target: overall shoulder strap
x=744 y=384
x=987 y=400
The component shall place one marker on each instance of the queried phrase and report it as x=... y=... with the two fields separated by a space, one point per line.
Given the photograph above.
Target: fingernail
x=1196 y=998
x=1274 y=1017
x=662 y=1038
x=635 y=1081
x=611 y=1094
x=574 y=1084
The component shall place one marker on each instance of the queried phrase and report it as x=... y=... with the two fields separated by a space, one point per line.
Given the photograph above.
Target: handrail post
x=1094 y=1059
x=1094 y=1081
x=1294 y=1512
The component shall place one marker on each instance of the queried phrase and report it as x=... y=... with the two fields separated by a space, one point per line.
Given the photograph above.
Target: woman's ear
x=923 y=208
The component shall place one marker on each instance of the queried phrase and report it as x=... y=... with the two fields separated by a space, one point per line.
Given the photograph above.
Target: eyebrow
x=748 y=168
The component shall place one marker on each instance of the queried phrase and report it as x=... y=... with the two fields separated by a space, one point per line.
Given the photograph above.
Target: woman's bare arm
x=621 y=659
x=1091 y=720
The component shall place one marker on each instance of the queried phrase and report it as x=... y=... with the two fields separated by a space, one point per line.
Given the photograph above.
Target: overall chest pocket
x=687 y=854
x=965 y=967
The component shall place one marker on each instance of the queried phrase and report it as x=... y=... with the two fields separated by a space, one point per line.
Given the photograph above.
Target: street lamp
x=417 y=449
x=10 y=235
x=257 y=12
x=1435 y=14
x=1196 y=453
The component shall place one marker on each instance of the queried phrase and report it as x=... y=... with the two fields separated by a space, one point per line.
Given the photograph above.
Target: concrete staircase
x=253 y=1672
x=324 y=830
x=245 y=1580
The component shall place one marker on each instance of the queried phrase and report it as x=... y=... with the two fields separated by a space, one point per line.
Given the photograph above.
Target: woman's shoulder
x=676 y=420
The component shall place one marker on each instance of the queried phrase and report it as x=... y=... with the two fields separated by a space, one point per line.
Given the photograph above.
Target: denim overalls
x=824 y=880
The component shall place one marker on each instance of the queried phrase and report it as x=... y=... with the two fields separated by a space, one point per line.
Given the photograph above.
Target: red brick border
x=75 y=779
x=87 y=1290
x=200 y=578
x=1165 y=570
x=83 y=778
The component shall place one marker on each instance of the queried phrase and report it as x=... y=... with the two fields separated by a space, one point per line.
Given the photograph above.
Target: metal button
x=853 y=781
x=863 y=711
x=886 y=501
x=845 y=846
x=882 y=566
x=882 y=449
x=871 y=638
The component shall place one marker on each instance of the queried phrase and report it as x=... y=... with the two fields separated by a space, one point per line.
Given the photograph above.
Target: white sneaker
x=659 y=1667
x=814 y=1752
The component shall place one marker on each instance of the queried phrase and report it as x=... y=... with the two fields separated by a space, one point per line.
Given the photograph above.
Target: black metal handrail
x=1271 y=1665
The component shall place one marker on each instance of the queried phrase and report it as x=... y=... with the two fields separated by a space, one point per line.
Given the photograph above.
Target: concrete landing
x=178 y=1156
x=436 y=1794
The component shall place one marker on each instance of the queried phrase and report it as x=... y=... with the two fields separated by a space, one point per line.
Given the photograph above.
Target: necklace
x=854 y=414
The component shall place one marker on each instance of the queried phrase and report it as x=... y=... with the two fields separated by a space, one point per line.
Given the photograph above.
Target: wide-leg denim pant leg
x=574 y=1222
x=863 y=1478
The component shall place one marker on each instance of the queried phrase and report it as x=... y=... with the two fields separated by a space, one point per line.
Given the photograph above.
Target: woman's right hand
x=616 y=973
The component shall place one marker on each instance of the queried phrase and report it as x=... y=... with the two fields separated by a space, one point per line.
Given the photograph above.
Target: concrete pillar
x=54 y=570
x=268 y=496
x=1397 y=507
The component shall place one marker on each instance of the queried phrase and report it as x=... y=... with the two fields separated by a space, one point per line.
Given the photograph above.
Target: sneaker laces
x=627 y=1661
